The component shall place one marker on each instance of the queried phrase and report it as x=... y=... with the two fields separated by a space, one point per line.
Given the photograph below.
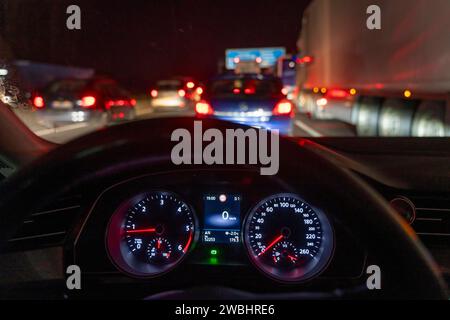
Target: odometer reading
x=287 y=239
x=151 y=234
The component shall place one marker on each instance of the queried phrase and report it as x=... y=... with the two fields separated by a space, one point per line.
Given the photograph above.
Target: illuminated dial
x=159 y=250
x=285 y=253
x=288 y=239
x=151 y=233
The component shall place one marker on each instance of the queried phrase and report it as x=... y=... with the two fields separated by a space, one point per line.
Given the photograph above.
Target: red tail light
x=305 y=60
x=38 y=102
x=181 y=93
x=120 y=103
x=204 y=108
x=249 y=90
x=284 y=107
x=154 y=93
x=88 y=101
x=337 y=94
x=109 y=104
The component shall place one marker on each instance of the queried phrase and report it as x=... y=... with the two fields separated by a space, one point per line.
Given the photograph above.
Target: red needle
x=271 y=244
x=159 y=244
x=292 y=258
x=142 y=230
x=188 y=243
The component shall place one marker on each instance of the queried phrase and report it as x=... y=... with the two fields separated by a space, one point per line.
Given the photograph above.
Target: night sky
x=140 y=41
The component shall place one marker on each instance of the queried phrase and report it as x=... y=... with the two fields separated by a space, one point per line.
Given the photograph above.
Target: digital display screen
x=222 y=222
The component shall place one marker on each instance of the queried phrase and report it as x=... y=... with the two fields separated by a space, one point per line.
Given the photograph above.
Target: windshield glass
x=254 y=87
x=67 y=86
x=168 y=85
x=337 y=69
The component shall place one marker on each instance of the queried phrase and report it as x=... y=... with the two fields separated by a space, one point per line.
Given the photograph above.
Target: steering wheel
x=408 y=271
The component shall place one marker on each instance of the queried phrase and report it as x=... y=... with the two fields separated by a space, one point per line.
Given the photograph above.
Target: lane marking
x=69 y=127
x=307 y=129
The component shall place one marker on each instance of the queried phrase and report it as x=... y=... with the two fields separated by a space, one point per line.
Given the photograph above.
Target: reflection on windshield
x=358 y=72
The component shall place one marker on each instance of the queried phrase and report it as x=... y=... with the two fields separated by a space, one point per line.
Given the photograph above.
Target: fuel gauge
x=284 y=254
x=159 y=250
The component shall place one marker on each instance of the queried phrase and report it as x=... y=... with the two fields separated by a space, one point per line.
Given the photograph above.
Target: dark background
x=140 y=41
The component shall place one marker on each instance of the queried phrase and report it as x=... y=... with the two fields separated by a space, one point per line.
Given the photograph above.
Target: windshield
x=224 y=150
x=253 y=87
x=336 y=69
x=67 y=86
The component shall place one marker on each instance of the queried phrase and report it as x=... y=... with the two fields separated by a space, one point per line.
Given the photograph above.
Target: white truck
x=392 y=81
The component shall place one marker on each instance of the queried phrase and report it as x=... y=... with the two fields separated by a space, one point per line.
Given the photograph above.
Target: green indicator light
x=213 y=252
x=213 y=260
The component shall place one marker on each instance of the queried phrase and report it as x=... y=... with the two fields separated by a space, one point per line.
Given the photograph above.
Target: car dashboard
x=175 y=230
x=139 y=236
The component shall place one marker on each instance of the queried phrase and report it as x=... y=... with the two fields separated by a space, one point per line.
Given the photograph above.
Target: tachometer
x=151 y=233
x=288 y=239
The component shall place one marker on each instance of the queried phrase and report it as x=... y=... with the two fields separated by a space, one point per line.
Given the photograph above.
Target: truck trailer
x=391 y=80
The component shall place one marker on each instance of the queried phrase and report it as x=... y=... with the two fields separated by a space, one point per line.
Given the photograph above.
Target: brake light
x=236 y=90
x=337 y=93
x=249 y=90
x=305 y=60
x=88 y=101
x=203 y=107
x=109 y=104
x=38 y=102
x=199 y=90
x=181 y=93
x=154 y=93
x=283 y=107
x=120 y=103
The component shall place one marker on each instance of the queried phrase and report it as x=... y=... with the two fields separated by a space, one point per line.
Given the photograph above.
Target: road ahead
x=303 y=125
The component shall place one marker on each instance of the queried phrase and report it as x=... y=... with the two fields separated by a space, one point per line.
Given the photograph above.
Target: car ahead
x=251 y=99
x=83 y=100
x=176 y=94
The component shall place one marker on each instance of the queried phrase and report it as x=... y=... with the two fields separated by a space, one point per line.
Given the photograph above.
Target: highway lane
x=303 y=125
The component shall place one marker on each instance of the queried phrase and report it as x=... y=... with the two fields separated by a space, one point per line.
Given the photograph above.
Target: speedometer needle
x=274 y=242
x=141 y=230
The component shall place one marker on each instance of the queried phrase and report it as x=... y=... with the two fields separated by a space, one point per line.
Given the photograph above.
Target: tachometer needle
x=274 y=242
x=188 y=243
x=141 y=230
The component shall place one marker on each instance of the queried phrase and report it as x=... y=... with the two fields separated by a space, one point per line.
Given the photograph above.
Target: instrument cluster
x=285 y=237
x=232 y=228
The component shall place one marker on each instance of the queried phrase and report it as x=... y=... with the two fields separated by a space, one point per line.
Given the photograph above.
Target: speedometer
x=288 y=239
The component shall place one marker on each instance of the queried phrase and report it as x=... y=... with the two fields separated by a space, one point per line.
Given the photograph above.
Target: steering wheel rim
x=370 y=218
